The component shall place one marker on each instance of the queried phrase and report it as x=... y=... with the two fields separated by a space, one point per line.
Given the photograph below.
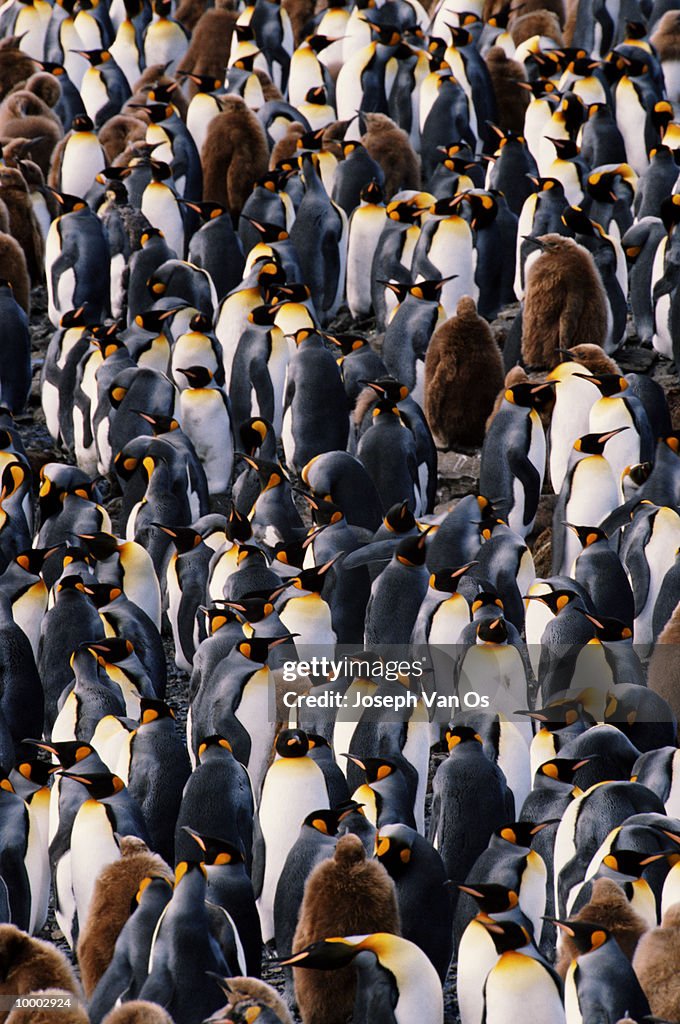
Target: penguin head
x=324 y=512
x=292 y=553
x=586 y=935
x=100 y=545
x=587 y=535
x=253 y=432
x=270 y=474
x=34 y=770
x=375 y=768
x=521 y=833
x=404 y=211
x=461 y=734
x=412 y=551
x=400 y=519
x=95 y=58
x=252 y=607
x=483 y=207
x=388 y=389
x=33 y=559
x=372 y=193
x=492 y=631
x=325 y=821
x=100 y=785
x=670 y=211
x=183 y=537
x=607 y=628
x=532 y=394
x=315 y=578
x=256 y=648
x=446 y=580
x=13 y=477
x=203 y=83
x=153 y=710
x=594 y=444
x=212 y=743
x=560 y=769
x=267 y=231
x=608 y=384
x=215 y=850
x=199 y=377
x=70 y=584
x=631 y=863
x=486 y=599
x=555 y=600
x=67 y=752
x=507 y=935
x=490 y=897
x=159 y=423
x=238 y=527
x=292 y=743
x=326 y=954
x=82 y=123
x=111 y=651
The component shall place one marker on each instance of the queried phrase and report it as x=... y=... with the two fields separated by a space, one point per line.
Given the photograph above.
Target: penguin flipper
x=530 y=479
x=638 y=568
x=259 y=854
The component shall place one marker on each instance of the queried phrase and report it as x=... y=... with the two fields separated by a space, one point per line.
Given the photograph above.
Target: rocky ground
x=458 y=476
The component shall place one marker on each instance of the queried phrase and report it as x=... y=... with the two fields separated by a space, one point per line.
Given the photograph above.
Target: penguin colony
x=207 y=192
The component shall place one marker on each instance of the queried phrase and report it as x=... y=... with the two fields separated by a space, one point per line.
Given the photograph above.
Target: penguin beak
x=562 y=925
x=532 y=240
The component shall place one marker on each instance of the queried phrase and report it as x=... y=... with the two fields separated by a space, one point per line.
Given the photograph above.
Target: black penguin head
x=394 y=850
x=213 y=742
x=372 y=193
x=34 y=770
x=267 y=231
x=412 y=551
x=100 y=785
x=607 y=628
x=486 y=599
x=251 y=608
x=586 y=935
x=608 y=384
x=375 y=768
x=313 y=579
x=326 y=955
x=214 y=850
x=491 y=897
x=447 y=580
x=95 y=58
x=400 y=519
x=507 y=935
x=152 y=710
x=521 y=833
x=387 y=388
x=531 y=394
x=561 y=769
x=183 y=537
x=199 y=377
x=631 y=863
x=270 y=474
x=324 y=512
x=347 y=343
x=493 y=631
x=461 y=734
x=100 y=545
x=555 y=600
x=292 y=743
x=587 y=535
x=111 y=651
x=82 y=123
x=67 y=752
x=238 y=527
x=594 y=444
x=253 y=433
x=257 y=648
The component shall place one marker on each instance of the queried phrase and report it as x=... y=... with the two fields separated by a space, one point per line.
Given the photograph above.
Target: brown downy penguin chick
x=556 y=7
x=77 y=1012
x=564 y=301
x=608 y=906
x=666 y=36
x=28 y=965
x=244 y=994
x=23 y=225
x=24 y=115
x=657 y=965
x=208 y=51
x=511 y=100
x=114 y=891
x=189 y=13
x=517 y=375
x=4 y=218
x=345 y=895
x=664 y=667
x=594 y=359
x=463 y=374
x=234 y=155
x=286 y=147
x=118 y=133
x=46 y=87
x=138 y=1011
x=537 y=23
x=390 y=146
x=13 y=269
x=299 y=12
x=15 y=66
